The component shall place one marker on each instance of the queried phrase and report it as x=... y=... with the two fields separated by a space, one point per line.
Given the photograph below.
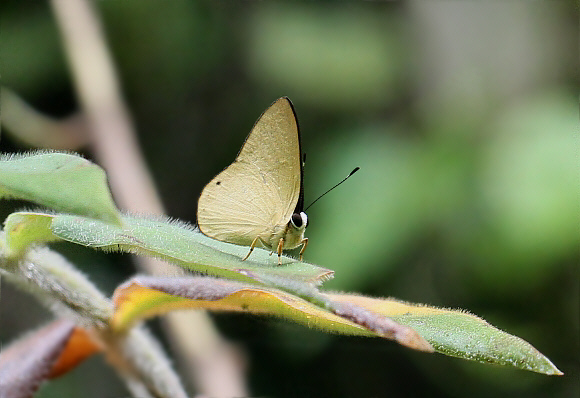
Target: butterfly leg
x=279 y=250
x=304 y=243
x=254 y=243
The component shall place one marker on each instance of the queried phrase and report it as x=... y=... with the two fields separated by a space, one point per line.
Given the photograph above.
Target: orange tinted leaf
x=146 y=296
x=43 y=354
x=78 y=347
x=143 y=297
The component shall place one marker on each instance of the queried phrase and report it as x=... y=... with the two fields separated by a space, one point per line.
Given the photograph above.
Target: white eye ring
x=304 y=219
x=299 y=221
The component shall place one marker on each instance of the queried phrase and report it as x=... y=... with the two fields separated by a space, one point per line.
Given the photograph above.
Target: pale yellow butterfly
x=259 y=198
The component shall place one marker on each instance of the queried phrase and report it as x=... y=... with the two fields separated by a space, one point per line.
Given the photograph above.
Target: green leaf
x=181 y=244
x=459 y=334
x=25 y=228
x=451 y=332
x=61 y=181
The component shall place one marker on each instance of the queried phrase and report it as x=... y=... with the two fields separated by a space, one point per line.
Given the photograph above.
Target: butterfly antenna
x=343 y=180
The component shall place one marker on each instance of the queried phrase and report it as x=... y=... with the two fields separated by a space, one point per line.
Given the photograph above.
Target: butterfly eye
x=296 y=220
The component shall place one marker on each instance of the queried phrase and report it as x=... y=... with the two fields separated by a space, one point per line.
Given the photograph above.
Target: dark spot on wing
x=218 y=183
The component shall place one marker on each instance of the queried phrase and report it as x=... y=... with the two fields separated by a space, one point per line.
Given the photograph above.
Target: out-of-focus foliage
x=331 y=57
x=462 y=116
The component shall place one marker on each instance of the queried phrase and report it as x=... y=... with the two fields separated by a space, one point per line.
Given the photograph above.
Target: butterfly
x=259 y=198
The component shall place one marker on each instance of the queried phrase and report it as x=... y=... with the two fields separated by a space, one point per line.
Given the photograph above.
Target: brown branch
x=210 y=361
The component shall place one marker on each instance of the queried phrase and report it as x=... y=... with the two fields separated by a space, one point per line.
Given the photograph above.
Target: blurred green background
x=462 y=116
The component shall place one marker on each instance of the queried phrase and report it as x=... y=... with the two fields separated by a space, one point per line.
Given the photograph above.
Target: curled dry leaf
x=145 y=296
x=42 y=355
x=450 y=332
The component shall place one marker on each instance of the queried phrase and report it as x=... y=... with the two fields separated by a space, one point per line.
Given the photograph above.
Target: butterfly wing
x=257 y=194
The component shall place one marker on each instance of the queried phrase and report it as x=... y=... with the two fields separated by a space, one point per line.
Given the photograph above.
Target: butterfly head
x=294 y=231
